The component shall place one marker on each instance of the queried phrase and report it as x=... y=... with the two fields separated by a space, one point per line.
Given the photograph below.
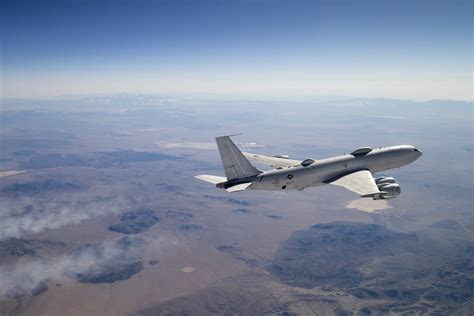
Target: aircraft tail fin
x=236 y=166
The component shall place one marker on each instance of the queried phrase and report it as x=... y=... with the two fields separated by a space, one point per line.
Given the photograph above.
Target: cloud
x=251 y=145
x=194 y=145
x=200 y=145
x=90 y=260
x=19 y=218
x=22 y=217
x=390 y=117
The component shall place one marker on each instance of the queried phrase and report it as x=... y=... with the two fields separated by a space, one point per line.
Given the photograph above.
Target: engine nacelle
x=384 y=180
x=388 y=188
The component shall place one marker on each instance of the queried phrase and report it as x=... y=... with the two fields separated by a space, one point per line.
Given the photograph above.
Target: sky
x=404 y=49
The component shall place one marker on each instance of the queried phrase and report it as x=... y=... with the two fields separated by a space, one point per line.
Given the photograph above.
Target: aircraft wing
x=360 y=182
x=272 y=161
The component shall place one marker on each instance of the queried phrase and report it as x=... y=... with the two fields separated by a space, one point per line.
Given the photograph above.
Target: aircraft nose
x=418 y=152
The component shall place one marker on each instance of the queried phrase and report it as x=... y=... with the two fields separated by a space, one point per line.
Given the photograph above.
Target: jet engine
x=388 y=187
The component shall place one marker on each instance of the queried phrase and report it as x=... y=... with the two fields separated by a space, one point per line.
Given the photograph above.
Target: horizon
x=229 y=97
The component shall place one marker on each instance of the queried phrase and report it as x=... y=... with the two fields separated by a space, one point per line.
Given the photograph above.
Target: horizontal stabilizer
x=239 y=187
x=211 y=179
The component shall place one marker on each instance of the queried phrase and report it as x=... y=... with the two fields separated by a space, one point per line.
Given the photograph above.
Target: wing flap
x=272 y=161
x=360 y=182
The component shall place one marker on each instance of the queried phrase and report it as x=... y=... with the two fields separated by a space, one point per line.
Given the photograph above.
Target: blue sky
x=407 y=49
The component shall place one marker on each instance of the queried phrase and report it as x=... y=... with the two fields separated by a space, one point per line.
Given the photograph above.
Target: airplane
x=353 y=172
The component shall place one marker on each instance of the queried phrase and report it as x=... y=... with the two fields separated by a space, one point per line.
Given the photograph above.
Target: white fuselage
x=325 y=170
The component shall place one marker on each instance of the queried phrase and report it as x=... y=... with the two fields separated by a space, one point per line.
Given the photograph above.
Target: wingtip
x=229 y=135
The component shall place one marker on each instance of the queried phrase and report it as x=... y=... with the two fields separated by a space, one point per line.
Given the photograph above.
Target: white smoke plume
x=19 y=278
x=19 y=218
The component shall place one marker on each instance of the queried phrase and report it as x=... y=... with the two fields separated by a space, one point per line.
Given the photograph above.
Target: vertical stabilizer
x=236 y=166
